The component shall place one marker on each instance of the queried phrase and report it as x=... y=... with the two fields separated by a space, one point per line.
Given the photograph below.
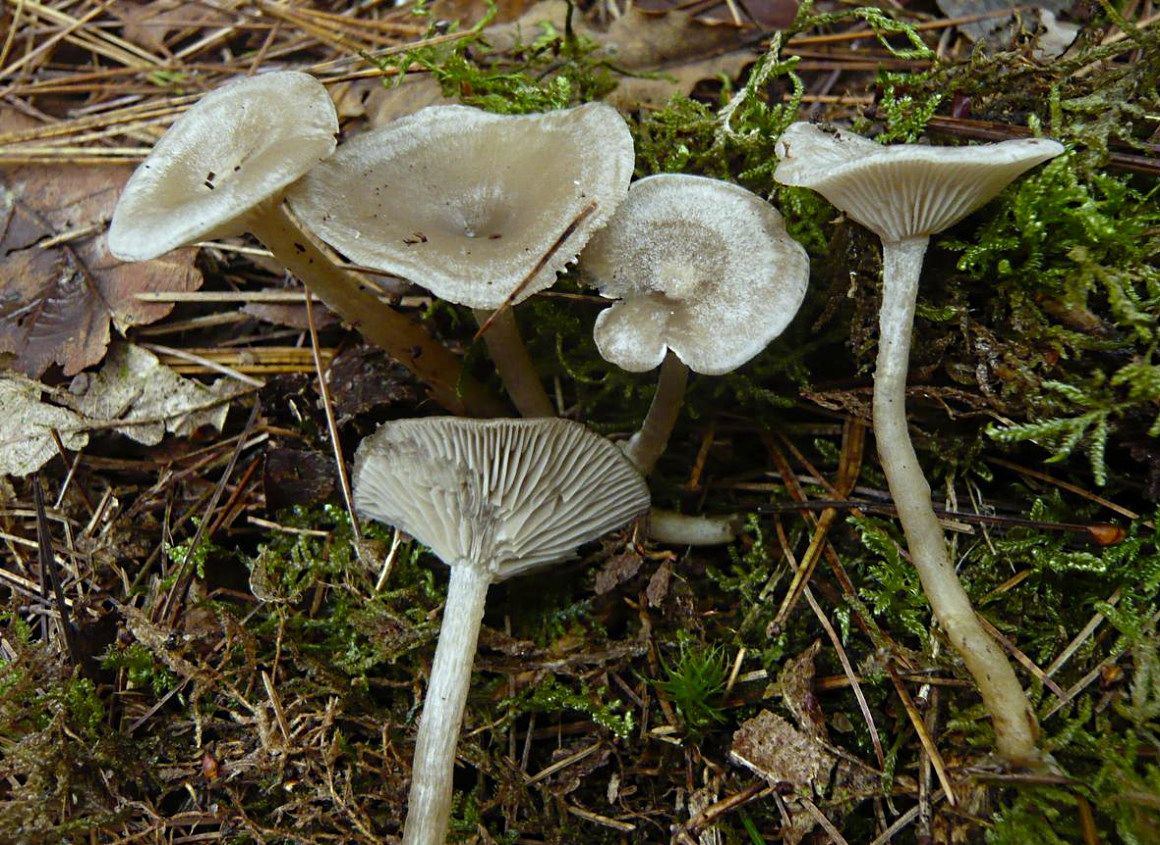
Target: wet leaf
x=56 y=301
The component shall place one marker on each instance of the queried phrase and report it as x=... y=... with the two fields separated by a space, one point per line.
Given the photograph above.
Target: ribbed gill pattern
x=507 y=494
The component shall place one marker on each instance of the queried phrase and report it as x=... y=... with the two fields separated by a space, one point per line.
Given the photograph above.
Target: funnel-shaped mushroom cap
x=506 y=494
x=237 y=146
x=904 y=191
x=702 y=267
x=468 y=203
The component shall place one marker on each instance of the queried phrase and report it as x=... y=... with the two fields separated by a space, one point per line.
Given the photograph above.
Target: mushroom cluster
x=223 y=169
x=484 y=211
x=481 y=209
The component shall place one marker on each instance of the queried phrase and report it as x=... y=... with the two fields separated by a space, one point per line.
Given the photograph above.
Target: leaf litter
x=62 y=290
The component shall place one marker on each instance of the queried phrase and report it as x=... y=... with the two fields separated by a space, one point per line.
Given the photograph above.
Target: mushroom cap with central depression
x=509 y=495
x=237 y=147
x=467 y=203
x=903 y=191
x=701 y=267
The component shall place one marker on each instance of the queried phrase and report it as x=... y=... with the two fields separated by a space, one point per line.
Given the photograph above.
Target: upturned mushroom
x=904 y=194
x=491 y=499
x=222 y=169
x=705 y=276
x=481 y=209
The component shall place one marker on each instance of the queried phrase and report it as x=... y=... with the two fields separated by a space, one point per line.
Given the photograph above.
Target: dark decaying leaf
x=56 y=302
x=363 y=378
x=617 y=570
x=297 y=477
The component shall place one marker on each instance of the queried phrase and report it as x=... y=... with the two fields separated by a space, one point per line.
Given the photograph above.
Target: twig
x=332 y=428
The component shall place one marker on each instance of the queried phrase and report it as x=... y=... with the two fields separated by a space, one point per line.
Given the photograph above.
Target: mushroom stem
x=648 y=444
x=680 y=529
x=429 y=803
x=1014 y=721
x=512 y=362
x=354 y=301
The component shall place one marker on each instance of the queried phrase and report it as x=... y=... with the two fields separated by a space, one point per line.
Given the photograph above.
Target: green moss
x=553 y=697
x=695 y=681
x=556 y=70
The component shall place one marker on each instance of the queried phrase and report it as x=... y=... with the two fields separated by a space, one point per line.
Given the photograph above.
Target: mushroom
x=904 y=194
x=491 y=499
x=706 y=277
x=221 y=170
x=481 y=209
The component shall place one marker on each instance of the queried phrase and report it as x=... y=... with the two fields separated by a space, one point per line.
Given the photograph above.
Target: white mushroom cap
x=236 y=147
x=702 y=267
x=467 y=203
x=509 y=495
x=908 y=190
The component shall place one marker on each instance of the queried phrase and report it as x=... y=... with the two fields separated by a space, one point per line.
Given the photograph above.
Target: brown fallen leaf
x=796 y=681
x=771 y=747
x=468 y=12
x=673 y=43
x=618 y=569
x=997 y=31
x=642 y=41
x=769 y=14
x=293 y=477
x=633 y=92
x=56 y=301
x=153 y=24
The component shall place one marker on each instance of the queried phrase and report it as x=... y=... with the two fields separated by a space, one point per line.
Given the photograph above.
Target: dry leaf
x=768 y=14
x=26 y=427
x=135 y=388
x=632 y=92
x=771 y=747
x=998 y=31
x=641 y=41
x=56 y=302
x=635 y=41
x=618 y=569
x=469 y=12
x=796 y=681
x=658 y=585
x=152 y=24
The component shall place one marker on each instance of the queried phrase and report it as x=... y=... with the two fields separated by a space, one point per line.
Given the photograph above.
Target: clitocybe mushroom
x=706 y=276
x=221 y=170
x=491 y=499
x=904 y=194
x=479 y=208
